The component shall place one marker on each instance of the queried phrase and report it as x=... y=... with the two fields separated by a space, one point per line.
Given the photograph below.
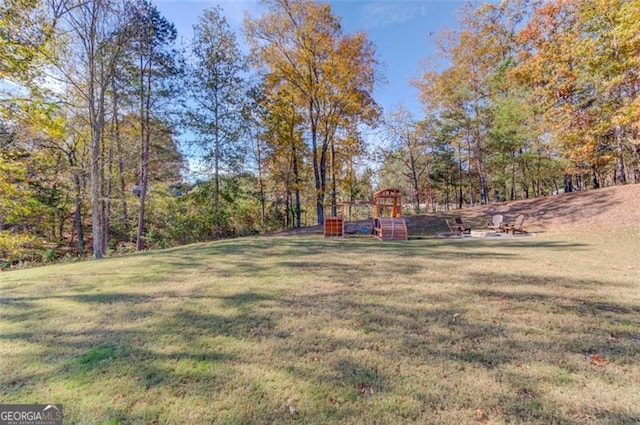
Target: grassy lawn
x=280 y=330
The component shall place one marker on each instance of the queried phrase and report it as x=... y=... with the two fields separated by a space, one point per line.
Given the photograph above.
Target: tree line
x=102 y=112
x=526 y=98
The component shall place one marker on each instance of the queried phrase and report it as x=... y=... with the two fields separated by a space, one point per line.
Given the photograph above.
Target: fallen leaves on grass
x=527 y=394
x=598 y=360
x=481 y=416
x=291 y=406
x=292 y=410
x=364 y=389
x=335 y=400
x=582 y=416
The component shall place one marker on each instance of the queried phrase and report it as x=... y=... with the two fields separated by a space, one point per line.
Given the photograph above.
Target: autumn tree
x=283 y=135
x=624 y=36
x=74 y=131
x=98 y=31
x=27 y=38
x=603 y=53
x=60 y=136
x=350 y=167
x=578 y=62
x=17 y=200
x=300 y=44
x=484 y=112
x=27 y=35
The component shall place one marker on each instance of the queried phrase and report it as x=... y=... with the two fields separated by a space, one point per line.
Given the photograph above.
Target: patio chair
x=516 y=227
x=497 y=223
x=462 y=227
x=453 y=229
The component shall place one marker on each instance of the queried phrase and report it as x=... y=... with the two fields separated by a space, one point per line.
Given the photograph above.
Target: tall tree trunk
x=415 y=183
x=446 y=195
x=636 y=170
x=317 y=173
x=216 y=171
x=216 y=190
x=116 y=139
x=470 y=173
x=334 y=189
x=620 y=168
x=95 y=121
x=323 y=177
x=568 y=183
x=512 y=189
x=261 y=190
x=595 y=183
x=144 y=152
x=477 y=136
x=106 y=192
x=288 y=210
x=296 y=181
x=459 y=195
x=96 y=195
x=482 y=175
x=484 y=188
x=96 y=184
x=77 y=213
x=144 y=157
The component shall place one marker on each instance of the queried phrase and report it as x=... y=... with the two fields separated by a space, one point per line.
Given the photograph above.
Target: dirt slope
x=613 y=206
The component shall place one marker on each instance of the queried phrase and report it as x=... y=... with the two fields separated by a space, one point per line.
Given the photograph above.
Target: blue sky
x=400 y=30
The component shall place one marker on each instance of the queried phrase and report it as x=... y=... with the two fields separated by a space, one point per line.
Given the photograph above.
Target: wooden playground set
x=387 y=222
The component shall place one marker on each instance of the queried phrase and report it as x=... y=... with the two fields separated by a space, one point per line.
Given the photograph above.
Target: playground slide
x=391 y=229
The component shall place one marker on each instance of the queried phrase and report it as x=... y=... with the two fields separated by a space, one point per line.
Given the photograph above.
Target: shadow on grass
x=421 y=332
x=345 y=346
x=252 y=256
x=550 y=282
x=580 y=324
x=246 y=299
x=190 y=325
x=110 y=298
x=432 y=248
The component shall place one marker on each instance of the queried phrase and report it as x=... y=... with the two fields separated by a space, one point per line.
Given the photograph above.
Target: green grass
x=349 y=331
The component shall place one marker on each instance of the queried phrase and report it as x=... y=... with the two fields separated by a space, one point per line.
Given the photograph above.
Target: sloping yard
x=300 y=329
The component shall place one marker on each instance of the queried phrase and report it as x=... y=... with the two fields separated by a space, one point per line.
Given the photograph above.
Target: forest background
x=523 y=99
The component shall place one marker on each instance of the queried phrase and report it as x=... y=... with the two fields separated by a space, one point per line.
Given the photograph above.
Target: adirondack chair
x=497 y=223
x=453 y=229
x=516 y=227
x=462 y=227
